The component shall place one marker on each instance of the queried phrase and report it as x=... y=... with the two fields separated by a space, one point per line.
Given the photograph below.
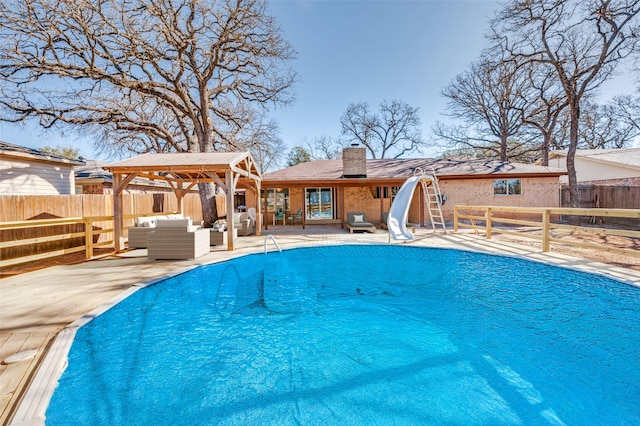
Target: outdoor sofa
x=143 y=226
x=177 y=239
x=359 y=222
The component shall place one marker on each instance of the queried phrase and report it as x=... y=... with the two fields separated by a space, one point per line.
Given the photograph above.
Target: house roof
x=93 y=172
x=628 y=157
x=92 y=169
x=23 y=152
x=398 y=170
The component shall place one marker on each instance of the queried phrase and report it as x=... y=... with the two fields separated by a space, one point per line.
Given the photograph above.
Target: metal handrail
x=266 y=239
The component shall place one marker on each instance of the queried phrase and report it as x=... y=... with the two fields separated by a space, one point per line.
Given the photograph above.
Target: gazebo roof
x=188 y=167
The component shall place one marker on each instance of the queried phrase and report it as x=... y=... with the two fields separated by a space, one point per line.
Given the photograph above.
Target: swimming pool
x=361 y=334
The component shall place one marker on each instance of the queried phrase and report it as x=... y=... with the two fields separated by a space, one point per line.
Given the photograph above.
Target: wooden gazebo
x=182 y=171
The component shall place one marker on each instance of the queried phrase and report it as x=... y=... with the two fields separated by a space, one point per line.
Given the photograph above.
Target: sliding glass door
x=319 y=203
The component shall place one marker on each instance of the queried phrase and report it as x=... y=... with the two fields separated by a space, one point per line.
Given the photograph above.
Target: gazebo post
x=118 y=213
x=180 y=198
x=258 y=226
x=231 y=189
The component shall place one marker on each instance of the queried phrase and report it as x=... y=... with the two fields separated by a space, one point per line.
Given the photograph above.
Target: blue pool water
x=361 y=335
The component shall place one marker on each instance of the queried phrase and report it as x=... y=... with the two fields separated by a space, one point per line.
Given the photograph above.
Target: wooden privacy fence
x=34 y=228
x=608 y=197
x=543 y=224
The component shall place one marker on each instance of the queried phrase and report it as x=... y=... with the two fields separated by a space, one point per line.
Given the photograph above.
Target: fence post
x=455 y=218
x=488 y=222
x=88 y=238
x=546 y=218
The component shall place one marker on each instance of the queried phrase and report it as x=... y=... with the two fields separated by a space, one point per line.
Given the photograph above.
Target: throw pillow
x=358 y=218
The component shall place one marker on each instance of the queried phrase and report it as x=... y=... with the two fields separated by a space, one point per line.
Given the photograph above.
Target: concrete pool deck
x=36 y=306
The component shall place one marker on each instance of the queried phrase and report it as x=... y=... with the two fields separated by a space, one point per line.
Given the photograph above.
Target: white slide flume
x=399 y=211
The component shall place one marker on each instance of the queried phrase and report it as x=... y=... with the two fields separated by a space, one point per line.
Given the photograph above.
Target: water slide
x=399 y=211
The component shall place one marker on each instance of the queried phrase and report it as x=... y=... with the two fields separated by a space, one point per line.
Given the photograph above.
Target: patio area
x=36 y=306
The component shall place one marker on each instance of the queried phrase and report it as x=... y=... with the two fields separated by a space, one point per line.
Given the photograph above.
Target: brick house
x=326 y=190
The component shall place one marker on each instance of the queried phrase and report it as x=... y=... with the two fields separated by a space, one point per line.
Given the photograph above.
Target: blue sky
x=353 y=51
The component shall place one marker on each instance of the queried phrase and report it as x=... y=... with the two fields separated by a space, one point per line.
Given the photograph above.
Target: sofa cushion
x=146 y=222
x=174 y=223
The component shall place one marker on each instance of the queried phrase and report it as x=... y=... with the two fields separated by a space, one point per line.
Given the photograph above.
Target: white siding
x=587 y=170
x=26 y=177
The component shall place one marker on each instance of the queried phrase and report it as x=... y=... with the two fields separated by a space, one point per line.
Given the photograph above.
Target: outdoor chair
x=279 y=215
x=358 y=222
x=383 y=223
x=251 y=211
x=177 y=239
x=296 y=218
x=243 y=223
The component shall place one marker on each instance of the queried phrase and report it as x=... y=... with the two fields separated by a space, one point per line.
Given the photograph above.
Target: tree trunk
x=503 y=148
x=208 y=202
x=544 y=154
x=574 y=112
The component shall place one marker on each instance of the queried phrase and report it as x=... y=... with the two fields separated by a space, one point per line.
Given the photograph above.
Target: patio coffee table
x=219 y=238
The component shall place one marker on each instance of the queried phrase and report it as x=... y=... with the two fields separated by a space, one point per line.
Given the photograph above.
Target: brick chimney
x=354 y=162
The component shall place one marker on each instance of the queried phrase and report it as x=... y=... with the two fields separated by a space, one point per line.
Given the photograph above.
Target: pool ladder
x=266 y=240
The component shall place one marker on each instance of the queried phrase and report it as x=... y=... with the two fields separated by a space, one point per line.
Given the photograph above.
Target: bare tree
x=581 y=41
x=544 y=108
x=151 y=75
x=395 y=131
x=262 y=140
x=627 y=109
x=324 y=148
x=601 y=127
x=489 y=99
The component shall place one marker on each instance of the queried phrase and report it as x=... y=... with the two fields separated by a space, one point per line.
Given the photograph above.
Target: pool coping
x=31 y=408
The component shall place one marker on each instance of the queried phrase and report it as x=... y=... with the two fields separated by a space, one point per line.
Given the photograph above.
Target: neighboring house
x=27 y=171
x=326 y=190
x=92 y=178
x=600 y=164
x=607 y=178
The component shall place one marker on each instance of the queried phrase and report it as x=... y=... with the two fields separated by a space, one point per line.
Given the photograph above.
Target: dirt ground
x=599 y=255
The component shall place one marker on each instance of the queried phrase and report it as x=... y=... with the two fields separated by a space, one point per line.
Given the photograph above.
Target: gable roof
x=23 y=152
x=627 y=157
x=189 y=165
x=398 y=170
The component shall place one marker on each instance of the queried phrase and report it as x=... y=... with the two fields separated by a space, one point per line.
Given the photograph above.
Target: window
x=507 y=187
x=384 y=192
x=319 y=203
x=276 y=198
x=379 y=192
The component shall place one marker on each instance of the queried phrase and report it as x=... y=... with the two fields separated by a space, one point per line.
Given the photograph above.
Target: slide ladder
x=433 y=200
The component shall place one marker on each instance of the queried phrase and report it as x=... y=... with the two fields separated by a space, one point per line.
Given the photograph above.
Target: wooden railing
x=53 y=230
x=543 y=224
